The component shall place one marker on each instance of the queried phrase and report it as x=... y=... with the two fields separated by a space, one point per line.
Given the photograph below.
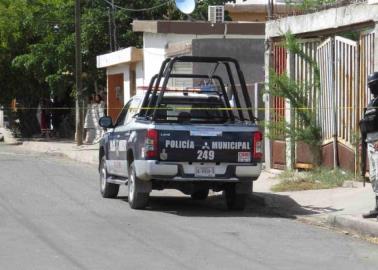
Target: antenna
x=186 y=6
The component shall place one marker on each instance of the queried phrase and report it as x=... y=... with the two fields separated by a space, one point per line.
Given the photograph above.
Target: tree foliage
x=37 y=45
x=37 y=41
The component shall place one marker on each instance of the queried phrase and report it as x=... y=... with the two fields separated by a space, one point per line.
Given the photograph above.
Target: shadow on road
x=259 y=205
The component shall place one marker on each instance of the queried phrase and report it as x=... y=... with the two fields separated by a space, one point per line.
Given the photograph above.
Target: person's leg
x=373 y=170
x=98 y=134
x=91 y=135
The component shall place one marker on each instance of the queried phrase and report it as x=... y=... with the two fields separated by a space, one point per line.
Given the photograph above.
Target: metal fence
x=344 y=65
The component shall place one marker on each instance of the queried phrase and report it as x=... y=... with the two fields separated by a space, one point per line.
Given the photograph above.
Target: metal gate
x=344 y=65
x=326 y=95
x=366 y=67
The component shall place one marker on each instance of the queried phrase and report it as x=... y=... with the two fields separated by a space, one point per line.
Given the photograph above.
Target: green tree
x=37 y=43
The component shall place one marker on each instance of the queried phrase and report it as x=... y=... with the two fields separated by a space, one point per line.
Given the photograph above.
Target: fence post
x=268 y=104
x=267 y=142
x=375 y=42
x=334 y=103
x=289 y=116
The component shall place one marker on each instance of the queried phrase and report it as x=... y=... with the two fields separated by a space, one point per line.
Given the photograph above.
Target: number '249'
x=205 y=155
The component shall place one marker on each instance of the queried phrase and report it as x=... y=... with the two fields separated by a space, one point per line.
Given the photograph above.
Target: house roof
x=199 y=28
x=128 y=55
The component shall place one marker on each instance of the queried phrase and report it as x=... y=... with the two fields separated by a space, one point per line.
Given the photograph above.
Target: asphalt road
x=53 y=217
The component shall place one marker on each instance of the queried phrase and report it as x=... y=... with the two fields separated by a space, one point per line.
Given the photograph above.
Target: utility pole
x=110 y=31
x=78 y=71
x=114 y=27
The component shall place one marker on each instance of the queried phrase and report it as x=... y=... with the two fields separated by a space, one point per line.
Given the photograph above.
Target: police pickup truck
x=192 y=140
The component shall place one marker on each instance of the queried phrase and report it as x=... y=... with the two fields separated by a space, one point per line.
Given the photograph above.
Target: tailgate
x=192 y=146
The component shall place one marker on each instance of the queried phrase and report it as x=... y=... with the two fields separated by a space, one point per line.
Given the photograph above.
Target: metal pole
x=257 y=100
x=110 y=31
x=334 y=104
x=78 y=71
x=114 y=27
x=270 y=11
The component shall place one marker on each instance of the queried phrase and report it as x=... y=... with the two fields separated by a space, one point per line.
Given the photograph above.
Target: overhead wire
x=138 y=9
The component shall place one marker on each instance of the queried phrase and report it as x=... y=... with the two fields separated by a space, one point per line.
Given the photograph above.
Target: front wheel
x=138 y=192
x=108 y=190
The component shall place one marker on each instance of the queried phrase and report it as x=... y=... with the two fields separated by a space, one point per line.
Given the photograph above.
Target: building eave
x=124 y=56
x=199 y=28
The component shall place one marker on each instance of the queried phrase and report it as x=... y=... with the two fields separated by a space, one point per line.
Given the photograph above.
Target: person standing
x=99 y=111
x=89 y=123
x=369 y=131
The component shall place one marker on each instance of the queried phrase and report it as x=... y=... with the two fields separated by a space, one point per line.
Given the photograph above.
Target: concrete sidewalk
x=339 y=207
x=84 y=153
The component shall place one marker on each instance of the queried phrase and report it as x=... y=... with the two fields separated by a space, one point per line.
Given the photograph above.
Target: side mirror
x=106 y=122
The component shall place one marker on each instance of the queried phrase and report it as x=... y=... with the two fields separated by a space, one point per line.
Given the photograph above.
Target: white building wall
x=154 y=46
x=126 y=85
x=139 y=72
x=154 y=51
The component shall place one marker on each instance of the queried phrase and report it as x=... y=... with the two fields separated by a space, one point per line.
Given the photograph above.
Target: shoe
x=371 y=214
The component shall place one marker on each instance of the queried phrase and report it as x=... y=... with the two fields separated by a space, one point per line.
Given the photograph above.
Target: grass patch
x=320 y=178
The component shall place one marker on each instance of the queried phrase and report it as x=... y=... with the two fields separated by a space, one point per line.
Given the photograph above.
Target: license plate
x=204 y=172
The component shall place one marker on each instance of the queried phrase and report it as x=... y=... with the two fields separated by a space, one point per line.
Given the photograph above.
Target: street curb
x=353 y=224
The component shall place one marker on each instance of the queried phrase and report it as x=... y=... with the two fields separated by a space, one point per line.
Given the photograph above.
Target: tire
x=200 y=194
x=108 y=190
x=138 y=198
x=235 y=201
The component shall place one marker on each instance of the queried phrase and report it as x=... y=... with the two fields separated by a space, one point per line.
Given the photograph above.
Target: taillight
x=257 y=145
x=151 y=145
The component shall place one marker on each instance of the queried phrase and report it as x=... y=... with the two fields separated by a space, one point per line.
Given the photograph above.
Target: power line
x=140 y=9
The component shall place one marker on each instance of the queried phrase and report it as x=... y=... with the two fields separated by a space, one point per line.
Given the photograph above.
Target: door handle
x=118 y=136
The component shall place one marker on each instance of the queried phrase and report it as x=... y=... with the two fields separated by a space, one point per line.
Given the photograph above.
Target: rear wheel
x=138 y=193
x=108 y=190
x=234 y=200
x=200 y=194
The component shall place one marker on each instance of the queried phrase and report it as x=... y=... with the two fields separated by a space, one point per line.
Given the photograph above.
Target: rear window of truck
x=192 y=110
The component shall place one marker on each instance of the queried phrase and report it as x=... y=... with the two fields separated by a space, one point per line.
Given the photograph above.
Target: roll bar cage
x=153 y=99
